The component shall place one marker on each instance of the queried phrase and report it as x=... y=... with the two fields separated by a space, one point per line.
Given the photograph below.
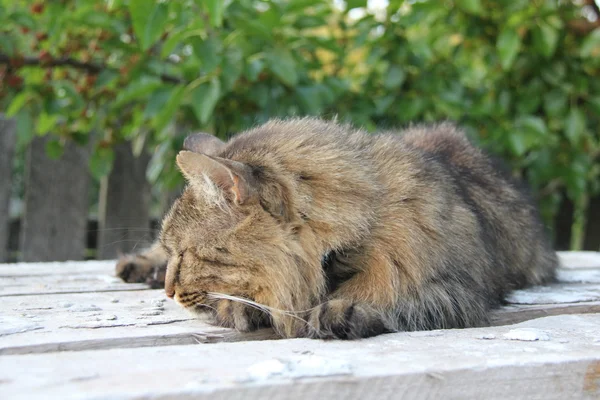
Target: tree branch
x=90 y=68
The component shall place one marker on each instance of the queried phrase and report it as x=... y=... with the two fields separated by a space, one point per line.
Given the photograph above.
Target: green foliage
x=521 y=76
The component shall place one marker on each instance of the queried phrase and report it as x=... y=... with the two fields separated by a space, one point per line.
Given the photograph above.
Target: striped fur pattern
x=322 y=230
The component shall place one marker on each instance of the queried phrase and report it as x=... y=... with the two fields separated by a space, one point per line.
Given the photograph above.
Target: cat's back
x=458 y=173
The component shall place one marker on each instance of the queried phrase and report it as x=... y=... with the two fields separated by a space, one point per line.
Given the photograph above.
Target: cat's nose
x=170 y=292
x=171 y=280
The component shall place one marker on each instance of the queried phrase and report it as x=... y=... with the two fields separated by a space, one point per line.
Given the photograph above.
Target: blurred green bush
x=521 y=75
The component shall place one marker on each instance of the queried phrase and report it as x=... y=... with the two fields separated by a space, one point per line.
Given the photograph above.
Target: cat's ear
x=230 y=176
x=203 y=143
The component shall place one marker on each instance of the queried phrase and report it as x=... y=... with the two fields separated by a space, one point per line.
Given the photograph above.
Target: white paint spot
x=12 y=325
x=266 y=369
x=526 y=334
x=157 y=302
x=487 y=336
x=299 y=367
x=108 y=279
x=149 y=313
x=91 y=307
x=426 y=333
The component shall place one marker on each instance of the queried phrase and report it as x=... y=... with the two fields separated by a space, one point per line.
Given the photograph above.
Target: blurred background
x=96 y=98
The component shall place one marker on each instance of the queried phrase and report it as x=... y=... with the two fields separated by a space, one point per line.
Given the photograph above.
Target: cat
x=322 y=230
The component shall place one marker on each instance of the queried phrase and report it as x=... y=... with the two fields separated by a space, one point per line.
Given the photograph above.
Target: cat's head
x=235 y=247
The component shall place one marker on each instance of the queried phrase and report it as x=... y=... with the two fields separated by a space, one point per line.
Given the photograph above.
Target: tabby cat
x=322 y=230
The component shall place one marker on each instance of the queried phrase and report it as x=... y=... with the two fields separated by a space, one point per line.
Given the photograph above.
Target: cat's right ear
x=230 y=176
x=203 y=143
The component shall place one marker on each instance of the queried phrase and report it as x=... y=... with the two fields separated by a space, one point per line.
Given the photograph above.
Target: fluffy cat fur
x=322 y=230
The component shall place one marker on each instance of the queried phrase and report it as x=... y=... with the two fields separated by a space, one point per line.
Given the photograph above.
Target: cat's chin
x=201 y=314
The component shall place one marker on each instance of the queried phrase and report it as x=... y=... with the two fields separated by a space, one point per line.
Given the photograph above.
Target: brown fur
x=334 y=233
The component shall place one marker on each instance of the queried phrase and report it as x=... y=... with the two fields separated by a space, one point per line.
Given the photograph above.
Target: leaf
x=555 y=102
x=470 y=6
x=383 y=103
x=529 y=133
x=18 y=102
x=591 y=45
x=167 y=112
x=508 y=45
x=204 y=100
x=575 y=126
x=309 y=99
x=157 y=101
x=253 y=69
x=105 y=78
x=517 y=144
x=101 y=162
x=215 y=11
x=45 y=123
x=208 y=52
x=410 y=108
x=149 y=19
x=25 y=130
x=175 y=39
x=595 y=103
x=283 y=66
x=355 y=4
x=254 y=28
x=54 y=149
x=7 y=44
x=533 y=125
x=545 y=39
x=233 y=64
x=394 y=78
x=136 y=90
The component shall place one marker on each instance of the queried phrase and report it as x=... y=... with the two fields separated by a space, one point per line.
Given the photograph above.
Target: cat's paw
x=343 y=319
x=139 y=269
x=243 y=318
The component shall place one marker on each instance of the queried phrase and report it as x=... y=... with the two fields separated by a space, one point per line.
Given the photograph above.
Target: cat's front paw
x=139 y=269
x=344 y=319
x=243 y=318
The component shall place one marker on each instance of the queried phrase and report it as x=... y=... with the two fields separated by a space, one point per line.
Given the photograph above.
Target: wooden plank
x=103 y=320
x=97 y=311
x=25 y=279
x=513 y=314
x=57 y=268
x=56 y=284
x=548 y=358
x=579 y=259
x=85 y=321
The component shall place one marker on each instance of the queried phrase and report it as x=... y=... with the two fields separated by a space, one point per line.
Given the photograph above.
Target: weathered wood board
x=24 y=279
x=72 y=330
x=549 y=358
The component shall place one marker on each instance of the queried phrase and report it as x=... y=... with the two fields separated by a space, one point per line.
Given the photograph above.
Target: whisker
x=258 y=306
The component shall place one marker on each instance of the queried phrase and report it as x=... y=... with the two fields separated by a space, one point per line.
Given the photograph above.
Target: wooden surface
x=72 y=330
